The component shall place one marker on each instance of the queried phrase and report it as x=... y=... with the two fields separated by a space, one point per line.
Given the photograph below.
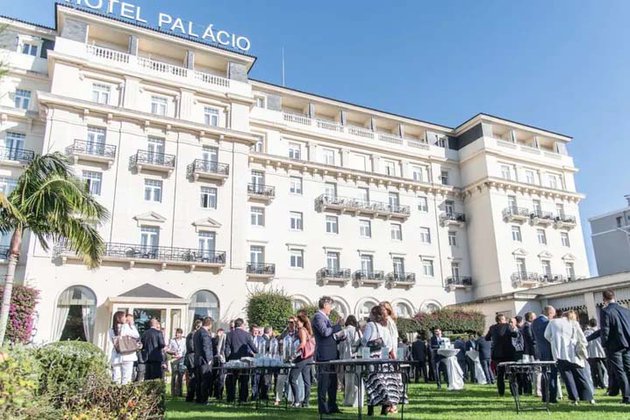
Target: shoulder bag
x=126 y=344
x=376 y=344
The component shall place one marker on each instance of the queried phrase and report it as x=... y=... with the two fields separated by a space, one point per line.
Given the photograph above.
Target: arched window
x=431 y=307
x=403 y=310
x=76 y=310
x=298 y=303
x=340 y=307
x=364 y=309
x=202 y=304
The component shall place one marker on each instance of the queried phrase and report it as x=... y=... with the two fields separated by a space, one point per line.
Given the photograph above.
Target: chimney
x=627 y=197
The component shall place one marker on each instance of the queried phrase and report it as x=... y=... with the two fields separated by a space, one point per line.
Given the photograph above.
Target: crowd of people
x=585 y=359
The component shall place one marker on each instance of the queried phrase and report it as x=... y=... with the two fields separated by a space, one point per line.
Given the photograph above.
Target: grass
x=477 y=402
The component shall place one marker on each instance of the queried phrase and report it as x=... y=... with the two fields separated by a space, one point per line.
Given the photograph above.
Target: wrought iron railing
x=516 y=211
x=565 y=218
x=369 y=275
x=209 y=167
x=354 y=203
x=145 y=157
x=455 y=217
x=539 y=214
x=459 y=281
x=19 y=155
x=397 y=277
x=261 y=268
x=261 y=189
x=341 y=273
x=93 y=149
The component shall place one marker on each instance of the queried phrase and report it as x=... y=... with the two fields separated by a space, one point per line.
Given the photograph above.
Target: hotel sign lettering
x=167 y=22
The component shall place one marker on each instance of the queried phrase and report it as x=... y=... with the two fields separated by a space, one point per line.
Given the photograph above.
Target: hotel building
x=219 y=185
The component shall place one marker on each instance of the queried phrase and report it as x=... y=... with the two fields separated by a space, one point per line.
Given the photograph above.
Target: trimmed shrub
x=21 y=311
x=407 y=326
x=271 y=307
x=65 y=365
x=312 y=309
x=454 y=321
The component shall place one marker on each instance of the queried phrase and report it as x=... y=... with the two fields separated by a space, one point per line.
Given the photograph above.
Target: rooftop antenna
x=283 y=66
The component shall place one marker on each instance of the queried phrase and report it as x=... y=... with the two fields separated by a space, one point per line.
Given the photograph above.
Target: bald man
x=153 y=346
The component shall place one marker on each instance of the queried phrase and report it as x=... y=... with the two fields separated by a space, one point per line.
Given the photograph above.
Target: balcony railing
x=565 y=220
x=261 y=269
x=208 y=169
x=156 y=160
x=18 y=155
x=328 y=201
x=541 y=217
x=93 y=149
x=262 y=190
x=375 y=278
x=395 y=279
x=451 y=218
x=457 y=282
x=326 y=275
x=115 y=251
x=516 y=214
x=534 y=279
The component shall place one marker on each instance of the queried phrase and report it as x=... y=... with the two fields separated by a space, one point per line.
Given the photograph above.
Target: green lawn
x=477 y=402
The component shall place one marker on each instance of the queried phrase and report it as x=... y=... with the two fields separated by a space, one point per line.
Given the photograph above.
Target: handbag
x=377 y=344
x=309 y=348
x=126 y=344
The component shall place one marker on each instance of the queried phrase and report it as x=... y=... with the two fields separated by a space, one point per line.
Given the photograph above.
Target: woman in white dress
x=348 y=350
x=122 y=364
x=393 y=331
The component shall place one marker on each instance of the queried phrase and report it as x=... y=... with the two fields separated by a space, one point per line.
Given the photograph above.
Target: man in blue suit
x=543 y=352
x=615 y=335
x=325 y=350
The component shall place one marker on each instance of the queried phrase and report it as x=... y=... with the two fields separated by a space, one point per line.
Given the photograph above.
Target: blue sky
x=562 y=65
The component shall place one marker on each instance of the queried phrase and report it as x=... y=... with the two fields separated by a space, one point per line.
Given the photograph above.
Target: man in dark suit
x=460 y=345
x=152 y=346
x=218 y=351
x=203 y=360
x=501 y=335
x=436 y=359
x=325 y=350
x=238 y=343
x=484 y=348
x=529 y=341
x=419 y=356
x=543 y=352
x=615 y=336
x=189 y=361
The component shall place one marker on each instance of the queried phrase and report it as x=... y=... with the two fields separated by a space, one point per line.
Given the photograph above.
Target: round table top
x=374 y=361
x=521 y=363
x=447 y=352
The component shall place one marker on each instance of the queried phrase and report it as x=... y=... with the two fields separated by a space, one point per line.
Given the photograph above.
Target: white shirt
x=117 y=358
x=594 y=347
x=563 y=336
x=393 y=332
x=177 y=346
x=347 y=347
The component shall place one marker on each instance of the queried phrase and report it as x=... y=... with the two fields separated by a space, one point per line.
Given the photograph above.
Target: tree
x=53 y=204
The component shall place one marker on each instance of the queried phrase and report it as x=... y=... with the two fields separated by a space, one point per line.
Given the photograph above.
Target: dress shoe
x=335 y=411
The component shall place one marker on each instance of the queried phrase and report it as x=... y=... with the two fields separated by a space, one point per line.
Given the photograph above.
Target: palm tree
x=53 y=204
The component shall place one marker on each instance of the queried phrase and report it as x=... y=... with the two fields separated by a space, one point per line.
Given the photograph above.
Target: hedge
x=269 y=308
x=21 y=314
x=407 y=326
x=455 y=321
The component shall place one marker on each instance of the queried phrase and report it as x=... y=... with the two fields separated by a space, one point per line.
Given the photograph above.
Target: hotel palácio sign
x=166 y=22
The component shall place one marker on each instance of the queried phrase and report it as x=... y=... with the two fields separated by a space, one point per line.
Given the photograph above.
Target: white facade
x=218 y=185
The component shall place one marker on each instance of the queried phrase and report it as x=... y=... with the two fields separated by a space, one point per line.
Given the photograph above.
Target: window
x=261 y=101
x=394 y=201
x=155 y=150
x=100 y=93
x=363 y=195
x=159 y=105
x=93 y=181
x=395 y=231
x=207 y=242
x=425 y=235
x=329 y=156
x=295 y=185
x=403 y=310
x=537 y=207
x=257 y=216
x=564 y=238
x=529 y=176
x=546 y=268
x=22 y=98
x=417 y=173
x=150 y=239
x=516 y=234
x=75 y=315
x=452 y=238
x=554 y=181
x=542 y=236
x=449 y=207
x=202 y=304
x=521 y=268
x=560 y=209
x=153 y=190
x=423 y=204
x=367 y=264
x=259 y=145
x=296 y=259
x=256 y=256
x=570 y=270
x=455 y=270
x=505 y=172
x=399 y=266
x=211 y=116
x=427 y=268
x=14 y=144
x=30 y=49
x=210 y=154
x=208 y=197
x=95 y=144
x=332 y=261
x=444 y=177
x=512 y=202
x=365 y=228
x=258 y=179
x=330 y=189
x=296 y=221
x=390 y=167
x=619 y=219
x=295 y=151
x=332 y=224
x=441 y=141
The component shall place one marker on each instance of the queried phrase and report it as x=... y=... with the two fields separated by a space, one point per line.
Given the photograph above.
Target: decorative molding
x=520 y=252
x=149 y=217
x=205 y=224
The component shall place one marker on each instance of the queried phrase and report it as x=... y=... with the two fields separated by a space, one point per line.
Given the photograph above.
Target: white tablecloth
x=453 y=370
x=479 y=375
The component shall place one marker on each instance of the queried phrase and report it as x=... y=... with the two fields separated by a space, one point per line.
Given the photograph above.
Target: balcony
x=162 y=256
x=339 y=276
x=564 y=221
x=151 y=161
x=541 y=218
x=92 y=152
x=525 y=279
x=452 y=219
x=516 y=214
x=261 y=192
x=369 y=278
x=356 y=206
x=404 y=280
x=16 y=156
x=209 y=170
x=260 y=271
x=457 y=282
